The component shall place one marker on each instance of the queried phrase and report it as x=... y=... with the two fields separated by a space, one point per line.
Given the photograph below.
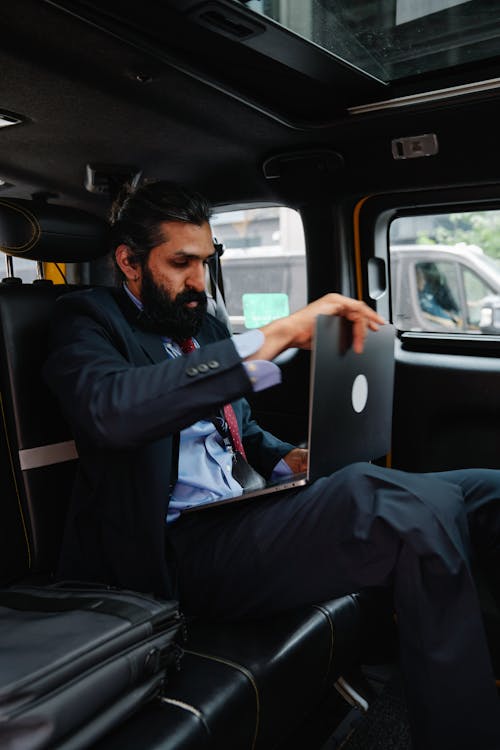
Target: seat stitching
x=247 y=674
x=11 y=460
x=34 y=224
x=187 y=707
x=324 y=611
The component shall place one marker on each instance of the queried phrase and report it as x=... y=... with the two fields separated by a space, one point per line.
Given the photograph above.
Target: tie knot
x=186 y=345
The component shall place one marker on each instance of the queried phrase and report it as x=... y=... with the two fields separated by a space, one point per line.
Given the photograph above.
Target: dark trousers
x=368 y=526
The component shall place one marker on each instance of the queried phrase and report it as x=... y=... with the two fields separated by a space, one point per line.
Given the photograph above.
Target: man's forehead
x=184 y=238
x=168 y=228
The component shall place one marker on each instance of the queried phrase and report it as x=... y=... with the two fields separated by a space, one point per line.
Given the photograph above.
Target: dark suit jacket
x=126 y=401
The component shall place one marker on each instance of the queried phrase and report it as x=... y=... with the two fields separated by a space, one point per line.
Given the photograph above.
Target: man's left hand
x=297 y=460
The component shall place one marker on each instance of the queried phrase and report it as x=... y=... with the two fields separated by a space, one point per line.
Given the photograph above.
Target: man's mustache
x=190 y=295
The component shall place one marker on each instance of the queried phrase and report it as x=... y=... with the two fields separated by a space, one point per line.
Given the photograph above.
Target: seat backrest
x=37 y=454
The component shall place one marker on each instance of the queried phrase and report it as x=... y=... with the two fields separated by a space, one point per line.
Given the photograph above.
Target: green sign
x=259 y=309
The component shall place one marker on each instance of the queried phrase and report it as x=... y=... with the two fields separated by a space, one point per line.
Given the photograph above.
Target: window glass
x=23 y=269
x=476 y=293
x=438 y=294
x=392 y=39
x=27 y=270
x=263 y=264
x=445 y=272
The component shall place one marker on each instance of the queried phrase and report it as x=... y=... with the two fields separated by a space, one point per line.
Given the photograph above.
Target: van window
x=445 y=271
x=263 y=264
x=437 y=292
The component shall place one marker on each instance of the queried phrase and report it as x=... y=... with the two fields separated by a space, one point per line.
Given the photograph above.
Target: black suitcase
x=76 y=661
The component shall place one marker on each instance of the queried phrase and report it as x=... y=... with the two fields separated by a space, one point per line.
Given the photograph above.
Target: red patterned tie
x=187 y=345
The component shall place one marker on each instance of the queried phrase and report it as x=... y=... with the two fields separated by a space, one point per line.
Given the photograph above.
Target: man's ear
x=128 y=266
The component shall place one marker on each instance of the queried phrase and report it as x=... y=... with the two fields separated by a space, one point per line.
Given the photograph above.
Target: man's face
x=171 y=284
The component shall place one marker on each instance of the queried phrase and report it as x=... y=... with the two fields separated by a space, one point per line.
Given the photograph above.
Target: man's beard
x=170 y=317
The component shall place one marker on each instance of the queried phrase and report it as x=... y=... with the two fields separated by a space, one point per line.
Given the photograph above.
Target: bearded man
x=145 y=377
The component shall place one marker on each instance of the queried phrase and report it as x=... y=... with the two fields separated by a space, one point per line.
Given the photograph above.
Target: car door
x=447 y=391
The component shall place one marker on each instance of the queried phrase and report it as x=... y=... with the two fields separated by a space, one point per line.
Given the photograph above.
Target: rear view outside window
x=445 y=272
x=263 y=265
x=27 y=270
x=24 y=269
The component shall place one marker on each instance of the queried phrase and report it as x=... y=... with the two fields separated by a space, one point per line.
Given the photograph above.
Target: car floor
x=385 y=724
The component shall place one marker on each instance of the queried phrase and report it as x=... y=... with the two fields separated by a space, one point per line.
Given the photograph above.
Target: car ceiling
x=147 y=85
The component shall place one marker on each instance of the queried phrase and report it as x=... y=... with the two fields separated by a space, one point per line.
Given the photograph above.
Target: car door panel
x=446 y=411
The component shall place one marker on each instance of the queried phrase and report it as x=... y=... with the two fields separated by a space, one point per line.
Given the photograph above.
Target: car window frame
x=372 y=216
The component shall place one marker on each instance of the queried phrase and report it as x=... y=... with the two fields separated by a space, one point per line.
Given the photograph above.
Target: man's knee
x=363 y=478
x=408 y=503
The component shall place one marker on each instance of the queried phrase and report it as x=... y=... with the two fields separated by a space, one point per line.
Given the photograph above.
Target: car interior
x=352 y=115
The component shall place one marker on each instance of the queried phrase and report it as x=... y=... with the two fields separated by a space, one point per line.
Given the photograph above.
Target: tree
x=480 y=228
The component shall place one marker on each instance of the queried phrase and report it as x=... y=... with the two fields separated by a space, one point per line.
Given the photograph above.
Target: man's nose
x=196 y=279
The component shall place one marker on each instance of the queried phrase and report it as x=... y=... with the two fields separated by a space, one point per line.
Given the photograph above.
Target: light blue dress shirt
x=205 y=471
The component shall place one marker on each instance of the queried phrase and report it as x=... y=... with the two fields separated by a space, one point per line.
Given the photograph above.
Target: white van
x=442 y=287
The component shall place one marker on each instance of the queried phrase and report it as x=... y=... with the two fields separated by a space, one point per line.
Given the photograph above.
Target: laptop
x=350 y=405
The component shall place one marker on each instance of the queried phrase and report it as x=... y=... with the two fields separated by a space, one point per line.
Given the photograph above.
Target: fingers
x=354 y=309
x=362 y=317
x=359 y=313
x=297 y=459
x=359 y=335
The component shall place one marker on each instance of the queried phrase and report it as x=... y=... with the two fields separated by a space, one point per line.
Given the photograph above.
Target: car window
x=444 y=269
x=476 y=293
x=263 y=264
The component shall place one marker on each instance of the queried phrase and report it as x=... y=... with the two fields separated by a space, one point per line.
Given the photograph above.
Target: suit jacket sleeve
x=113 y=392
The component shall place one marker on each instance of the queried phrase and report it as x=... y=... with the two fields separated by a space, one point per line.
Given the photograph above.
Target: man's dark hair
x=137 y=213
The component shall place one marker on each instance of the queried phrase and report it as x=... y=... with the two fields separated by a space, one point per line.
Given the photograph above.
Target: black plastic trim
x=451 y=343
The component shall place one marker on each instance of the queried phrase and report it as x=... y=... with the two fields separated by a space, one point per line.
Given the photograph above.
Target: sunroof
x=393 y=39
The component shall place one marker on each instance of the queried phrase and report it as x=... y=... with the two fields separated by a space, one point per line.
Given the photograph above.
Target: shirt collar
x=137 y=302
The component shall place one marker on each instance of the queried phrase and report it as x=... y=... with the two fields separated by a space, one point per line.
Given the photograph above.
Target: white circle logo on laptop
x=359 y=394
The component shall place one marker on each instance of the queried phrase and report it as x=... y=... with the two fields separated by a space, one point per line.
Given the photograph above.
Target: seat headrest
x=43 y=231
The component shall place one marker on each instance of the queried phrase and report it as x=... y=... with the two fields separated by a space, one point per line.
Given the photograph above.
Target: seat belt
x=219 y=309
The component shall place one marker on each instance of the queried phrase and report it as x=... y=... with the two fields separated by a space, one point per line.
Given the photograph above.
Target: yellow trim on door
x=357 y=246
